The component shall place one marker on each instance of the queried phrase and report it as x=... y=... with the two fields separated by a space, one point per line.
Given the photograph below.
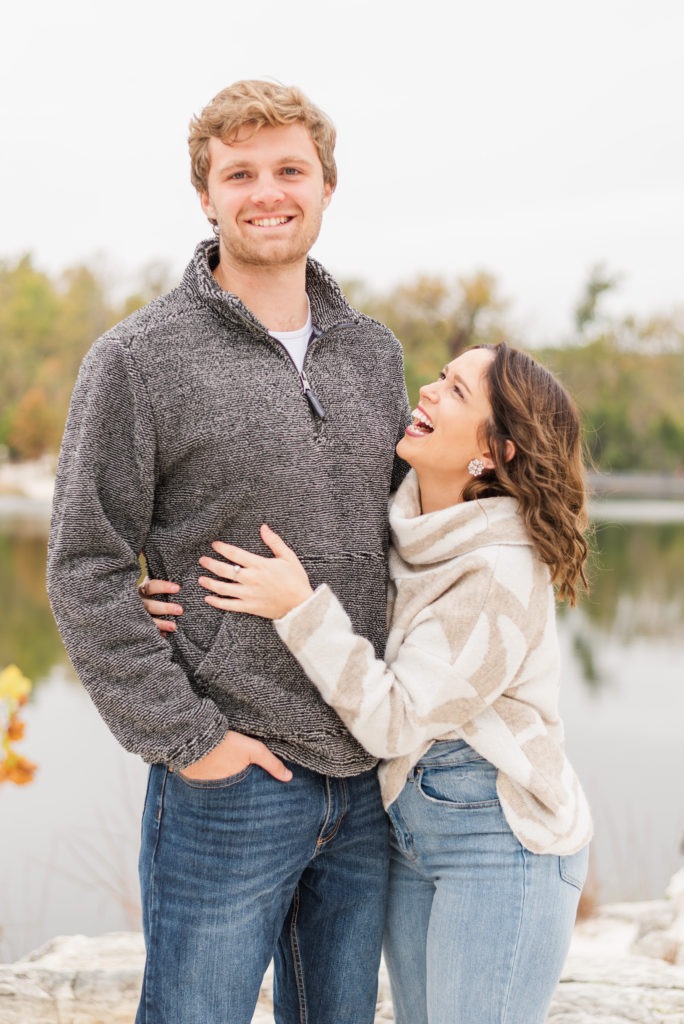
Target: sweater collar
x=328 y=304
x=426 y=539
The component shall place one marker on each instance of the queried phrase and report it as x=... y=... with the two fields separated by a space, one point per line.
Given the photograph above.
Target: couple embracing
x=352 y=727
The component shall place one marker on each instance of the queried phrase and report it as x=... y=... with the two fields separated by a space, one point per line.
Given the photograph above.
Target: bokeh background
x=506 y=170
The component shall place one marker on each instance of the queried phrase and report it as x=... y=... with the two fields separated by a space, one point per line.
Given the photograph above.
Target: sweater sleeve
x=456 y=658
x=102 y=509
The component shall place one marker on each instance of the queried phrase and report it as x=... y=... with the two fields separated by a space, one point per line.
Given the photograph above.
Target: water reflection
x=28 y=635
x=75 y=830
x=636 y=580
x=636 y=573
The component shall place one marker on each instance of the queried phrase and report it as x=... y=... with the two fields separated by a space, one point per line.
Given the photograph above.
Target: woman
x=490 y=825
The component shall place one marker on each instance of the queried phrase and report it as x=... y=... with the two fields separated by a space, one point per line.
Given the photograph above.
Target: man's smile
x=269 y=222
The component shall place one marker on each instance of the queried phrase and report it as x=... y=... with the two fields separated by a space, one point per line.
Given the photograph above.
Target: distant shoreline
x=653 y=486
x=26 y=493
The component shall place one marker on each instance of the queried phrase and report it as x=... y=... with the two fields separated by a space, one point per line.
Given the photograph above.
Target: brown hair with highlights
x=245 y=107
x=546 y=474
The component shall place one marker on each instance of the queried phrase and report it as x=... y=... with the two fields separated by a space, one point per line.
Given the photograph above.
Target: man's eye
x=238 y=176
x=291 y=171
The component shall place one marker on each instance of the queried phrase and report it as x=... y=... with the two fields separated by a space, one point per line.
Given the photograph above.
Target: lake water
x=68 y=840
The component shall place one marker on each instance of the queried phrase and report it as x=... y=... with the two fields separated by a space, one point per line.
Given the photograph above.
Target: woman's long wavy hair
x=546 y=474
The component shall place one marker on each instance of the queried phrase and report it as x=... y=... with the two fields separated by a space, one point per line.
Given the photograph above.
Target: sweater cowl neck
x=427 y=539
x=328 y=304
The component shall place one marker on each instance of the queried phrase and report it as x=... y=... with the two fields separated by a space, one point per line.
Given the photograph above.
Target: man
x=251 y=393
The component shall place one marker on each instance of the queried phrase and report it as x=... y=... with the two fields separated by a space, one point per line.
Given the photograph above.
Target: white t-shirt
x=296 y=342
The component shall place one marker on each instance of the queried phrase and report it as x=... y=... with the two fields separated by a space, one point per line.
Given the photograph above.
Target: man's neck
x=275 y=295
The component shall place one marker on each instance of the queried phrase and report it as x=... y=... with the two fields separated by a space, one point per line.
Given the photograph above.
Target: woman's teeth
x=422 y=421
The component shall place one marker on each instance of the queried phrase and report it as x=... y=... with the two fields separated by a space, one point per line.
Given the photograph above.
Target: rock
x=661 y=934
x=618 y=990
x=79 y=980
x=75 y=980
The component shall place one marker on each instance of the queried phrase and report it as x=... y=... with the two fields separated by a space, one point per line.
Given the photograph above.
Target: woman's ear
x=509 y=453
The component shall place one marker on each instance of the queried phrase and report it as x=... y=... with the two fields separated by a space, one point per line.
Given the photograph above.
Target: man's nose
x=267 y=191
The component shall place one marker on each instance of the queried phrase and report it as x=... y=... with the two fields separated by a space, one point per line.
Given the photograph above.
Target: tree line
x=626 y=373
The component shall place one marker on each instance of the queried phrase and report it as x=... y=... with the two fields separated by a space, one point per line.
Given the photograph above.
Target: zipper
x=312 y=398
x=314 y=402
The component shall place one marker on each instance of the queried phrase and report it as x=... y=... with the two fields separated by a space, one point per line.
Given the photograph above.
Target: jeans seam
x=297 y=959
x=323 y=839
x=516 y=947
x=154 y=898
x=403 y=835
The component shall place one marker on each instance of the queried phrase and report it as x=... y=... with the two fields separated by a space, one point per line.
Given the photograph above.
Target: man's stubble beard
x=281 y=255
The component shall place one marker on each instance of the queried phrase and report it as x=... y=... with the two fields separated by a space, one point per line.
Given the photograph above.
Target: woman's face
x=447 y=424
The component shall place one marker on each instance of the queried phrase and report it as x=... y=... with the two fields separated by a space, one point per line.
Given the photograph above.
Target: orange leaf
x=15 y=729
x=17 y=769
x=22 y=771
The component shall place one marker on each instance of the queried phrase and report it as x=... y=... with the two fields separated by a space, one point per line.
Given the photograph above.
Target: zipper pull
x=314 y=403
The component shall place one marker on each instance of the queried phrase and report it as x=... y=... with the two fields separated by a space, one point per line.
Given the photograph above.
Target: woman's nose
x=429 y=391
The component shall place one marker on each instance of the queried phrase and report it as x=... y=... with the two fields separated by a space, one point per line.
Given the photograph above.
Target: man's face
x=267 y=195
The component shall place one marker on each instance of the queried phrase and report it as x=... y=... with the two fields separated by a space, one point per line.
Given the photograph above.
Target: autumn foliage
x=14 y=691
x=47 y=324
x=626 y=373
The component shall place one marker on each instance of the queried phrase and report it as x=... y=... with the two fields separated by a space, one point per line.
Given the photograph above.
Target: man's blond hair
x=251 y=105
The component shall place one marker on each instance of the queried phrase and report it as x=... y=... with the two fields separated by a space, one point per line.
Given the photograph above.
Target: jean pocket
x=573 y=867
x=466 y=786
x=222 y=783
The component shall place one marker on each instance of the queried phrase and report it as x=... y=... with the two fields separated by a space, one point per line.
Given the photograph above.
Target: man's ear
x=327 y=195
x=207 y=207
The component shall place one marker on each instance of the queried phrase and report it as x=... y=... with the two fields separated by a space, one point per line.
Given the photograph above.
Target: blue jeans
x=238 y=871
x=478 y=927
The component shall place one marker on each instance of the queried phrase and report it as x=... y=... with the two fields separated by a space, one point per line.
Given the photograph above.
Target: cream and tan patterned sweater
x=472 y=653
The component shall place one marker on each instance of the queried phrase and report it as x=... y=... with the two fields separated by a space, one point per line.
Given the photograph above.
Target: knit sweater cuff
x=304 y=616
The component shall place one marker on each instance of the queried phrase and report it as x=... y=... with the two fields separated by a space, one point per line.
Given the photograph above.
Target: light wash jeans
x=238 y=871
x=478 y=927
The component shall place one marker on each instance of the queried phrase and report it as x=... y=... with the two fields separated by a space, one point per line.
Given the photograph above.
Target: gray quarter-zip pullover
x=189 y=423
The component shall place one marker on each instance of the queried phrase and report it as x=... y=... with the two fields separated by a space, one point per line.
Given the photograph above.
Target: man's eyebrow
x=295 y=160
x=241 y=163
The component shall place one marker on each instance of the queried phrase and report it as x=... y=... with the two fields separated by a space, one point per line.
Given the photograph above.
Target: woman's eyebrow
x=457 y=377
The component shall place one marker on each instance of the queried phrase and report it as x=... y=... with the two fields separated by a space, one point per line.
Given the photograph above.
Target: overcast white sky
x=529 y=138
